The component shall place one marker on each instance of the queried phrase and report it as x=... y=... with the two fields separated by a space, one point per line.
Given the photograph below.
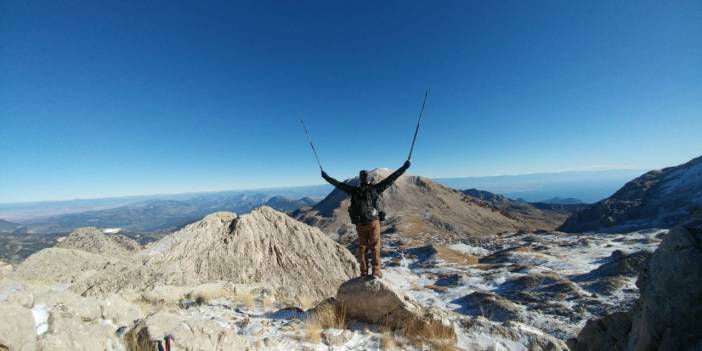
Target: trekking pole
x=419 y=120
x=311 y=145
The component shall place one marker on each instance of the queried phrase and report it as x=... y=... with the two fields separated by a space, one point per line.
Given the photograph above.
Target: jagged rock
x=71 y=305
x=488 y=305
x=335 y=337
x=539 y=287
x=17 y=330
x=69 y=333
x=484 y=335
x=265 y=246
x=610 y=276
x=671 y=293
x=93 y=240
x=118 y=310
x=607 y=333
x=666 y=315
x=376 y=301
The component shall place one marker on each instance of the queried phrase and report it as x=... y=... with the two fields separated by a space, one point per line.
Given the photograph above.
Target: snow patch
x=41 y=318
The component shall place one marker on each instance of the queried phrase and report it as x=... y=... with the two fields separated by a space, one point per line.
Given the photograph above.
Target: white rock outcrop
x=266 y=246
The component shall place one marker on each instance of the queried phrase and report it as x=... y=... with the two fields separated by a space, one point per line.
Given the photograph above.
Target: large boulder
x=17 y=328
x=376 y=301
x=666 y=316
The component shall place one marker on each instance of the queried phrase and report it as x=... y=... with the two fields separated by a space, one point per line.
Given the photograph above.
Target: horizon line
x=302 y=186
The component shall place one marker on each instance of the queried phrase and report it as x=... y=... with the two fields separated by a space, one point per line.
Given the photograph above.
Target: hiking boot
x=377 y=274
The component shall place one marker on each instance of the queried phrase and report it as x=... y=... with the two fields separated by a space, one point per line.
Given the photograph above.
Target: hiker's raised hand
x=324 y=174
x=407 y=164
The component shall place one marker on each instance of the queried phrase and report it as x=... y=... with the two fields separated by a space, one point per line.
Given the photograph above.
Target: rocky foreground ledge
x=668 y=315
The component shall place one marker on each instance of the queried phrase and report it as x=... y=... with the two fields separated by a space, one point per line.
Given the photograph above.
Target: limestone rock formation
x=658 y=199
x=93 y=240
x=666 y=316
x=264 y=246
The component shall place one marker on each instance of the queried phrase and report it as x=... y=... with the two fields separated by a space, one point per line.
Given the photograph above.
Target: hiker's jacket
x=366 y=203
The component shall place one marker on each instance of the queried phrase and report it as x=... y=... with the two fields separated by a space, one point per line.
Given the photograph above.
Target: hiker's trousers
x=369 y=238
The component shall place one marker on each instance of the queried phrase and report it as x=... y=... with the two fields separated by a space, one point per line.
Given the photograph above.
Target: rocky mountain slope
x=524 y=212
x=8 y=227
x=658 y=199
x=421 y=209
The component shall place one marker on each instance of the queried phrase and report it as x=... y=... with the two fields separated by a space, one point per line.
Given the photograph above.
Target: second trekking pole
x=311 y=145
x=419 y=120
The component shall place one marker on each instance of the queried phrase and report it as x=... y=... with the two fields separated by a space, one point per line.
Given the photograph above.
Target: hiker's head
x=363 y=176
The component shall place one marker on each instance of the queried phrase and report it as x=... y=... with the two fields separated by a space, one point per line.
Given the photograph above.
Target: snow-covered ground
x=438 y=283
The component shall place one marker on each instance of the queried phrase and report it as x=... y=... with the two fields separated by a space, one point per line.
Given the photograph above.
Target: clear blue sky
x=105 y=98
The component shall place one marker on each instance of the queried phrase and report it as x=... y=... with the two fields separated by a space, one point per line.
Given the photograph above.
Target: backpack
x=366 y=206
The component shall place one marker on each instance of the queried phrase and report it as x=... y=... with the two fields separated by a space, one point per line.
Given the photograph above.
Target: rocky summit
x=265 y=246
x=422 y=209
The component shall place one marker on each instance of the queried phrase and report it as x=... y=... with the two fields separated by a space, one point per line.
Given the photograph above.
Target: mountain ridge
x=657 y=199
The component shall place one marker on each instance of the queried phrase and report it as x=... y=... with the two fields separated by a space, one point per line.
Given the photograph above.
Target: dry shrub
x=313 y=333
x=306 y=302
x=246 y=297
x=432 y=333
x=138 y=338
x=324 y=316
x=387 y=339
